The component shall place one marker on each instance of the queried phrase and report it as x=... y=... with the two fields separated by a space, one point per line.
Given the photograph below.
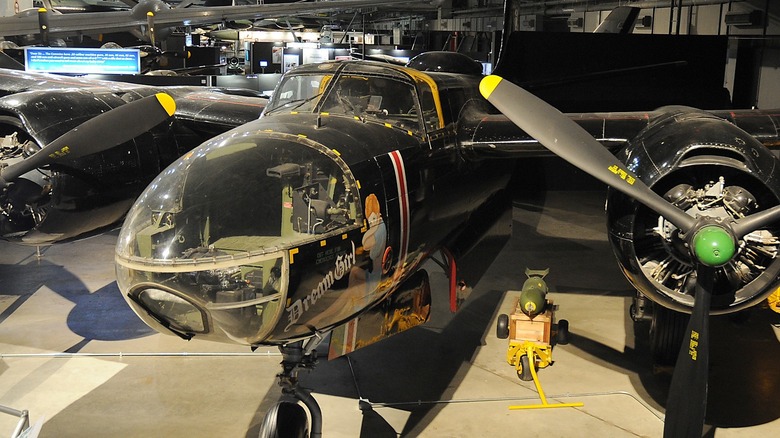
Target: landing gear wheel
x=562 y=336
x=525 y=373
x=297 y=414
x=285 y=420
x=666 y=334
x=502 y=326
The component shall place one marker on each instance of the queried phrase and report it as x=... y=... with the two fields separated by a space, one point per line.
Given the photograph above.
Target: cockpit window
x=429 y=114
x=297 y=92
x=388 y=100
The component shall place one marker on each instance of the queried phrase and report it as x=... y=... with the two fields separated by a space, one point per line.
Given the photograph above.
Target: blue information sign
x=76 y=60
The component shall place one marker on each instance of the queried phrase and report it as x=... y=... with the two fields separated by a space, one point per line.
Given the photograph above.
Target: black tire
x=285 y=420
x=502 y=326
x=562 y=337
x=667 y=330
x=525 y=373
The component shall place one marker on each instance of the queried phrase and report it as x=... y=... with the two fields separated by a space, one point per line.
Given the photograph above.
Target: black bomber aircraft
x=316 y=218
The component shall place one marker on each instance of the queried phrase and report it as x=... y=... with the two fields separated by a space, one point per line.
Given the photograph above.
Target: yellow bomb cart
x=532 y=333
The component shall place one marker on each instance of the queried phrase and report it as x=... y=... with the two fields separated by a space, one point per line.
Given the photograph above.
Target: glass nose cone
x=204 y=251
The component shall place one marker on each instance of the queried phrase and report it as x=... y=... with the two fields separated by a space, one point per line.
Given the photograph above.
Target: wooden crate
x=523 y=328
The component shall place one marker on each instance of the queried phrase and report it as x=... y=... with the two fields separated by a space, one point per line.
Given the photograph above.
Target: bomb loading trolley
x=532 y=333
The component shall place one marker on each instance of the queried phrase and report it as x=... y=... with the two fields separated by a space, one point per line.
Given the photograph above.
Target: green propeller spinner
x=713 y=246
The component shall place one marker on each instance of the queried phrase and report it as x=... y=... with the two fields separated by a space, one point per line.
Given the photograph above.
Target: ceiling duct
x=554 y=7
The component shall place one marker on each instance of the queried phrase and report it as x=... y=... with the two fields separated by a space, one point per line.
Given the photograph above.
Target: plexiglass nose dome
x=204 y=251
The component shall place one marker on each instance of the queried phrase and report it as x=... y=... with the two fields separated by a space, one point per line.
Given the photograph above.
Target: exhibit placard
x=82 y=61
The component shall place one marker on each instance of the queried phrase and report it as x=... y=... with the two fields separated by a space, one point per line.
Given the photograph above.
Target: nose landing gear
x=288 y=418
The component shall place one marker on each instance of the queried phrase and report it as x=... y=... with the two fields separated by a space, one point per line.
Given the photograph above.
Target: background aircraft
x=329 y=227
x=60 y=199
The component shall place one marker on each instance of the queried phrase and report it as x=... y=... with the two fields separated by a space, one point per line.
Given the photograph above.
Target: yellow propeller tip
x=488 y=84
x=166 y=101
x=150 y=14
x=41 y=10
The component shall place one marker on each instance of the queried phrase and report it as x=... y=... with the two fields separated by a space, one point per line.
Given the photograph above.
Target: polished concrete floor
x=75 y=356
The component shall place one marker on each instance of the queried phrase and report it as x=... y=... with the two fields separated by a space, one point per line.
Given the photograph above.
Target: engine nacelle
x=73 y=197
x=705 y=166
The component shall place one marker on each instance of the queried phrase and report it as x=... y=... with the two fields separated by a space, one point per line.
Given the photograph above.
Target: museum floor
x=75 y=356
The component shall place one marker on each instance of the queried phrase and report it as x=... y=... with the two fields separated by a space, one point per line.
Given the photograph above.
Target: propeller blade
x=43 y=26
x=685 y=407
x=98 y=134
x=150 y=25
x=755 y=221
x=568 y=140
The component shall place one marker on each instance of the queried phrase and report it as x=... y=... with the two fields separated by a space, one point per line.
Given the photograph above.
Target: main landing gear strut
x=287 y=418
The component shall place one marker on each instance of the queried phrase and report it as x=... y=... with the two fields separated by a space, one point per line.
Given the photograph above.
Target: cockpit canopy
x=380 y=93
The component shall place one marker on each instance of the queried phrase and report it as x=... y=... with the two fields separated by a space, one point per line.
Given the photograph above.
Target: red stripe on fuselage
x=403 y=204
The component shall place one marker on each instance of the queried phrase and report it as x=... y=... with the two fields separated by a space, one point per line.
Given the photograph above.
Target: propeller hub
x=713 y=246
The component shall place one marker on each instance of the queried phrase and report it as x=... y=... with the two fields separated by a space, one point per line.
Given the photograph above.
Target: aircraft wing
x=96 y=22
x=496 y=136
